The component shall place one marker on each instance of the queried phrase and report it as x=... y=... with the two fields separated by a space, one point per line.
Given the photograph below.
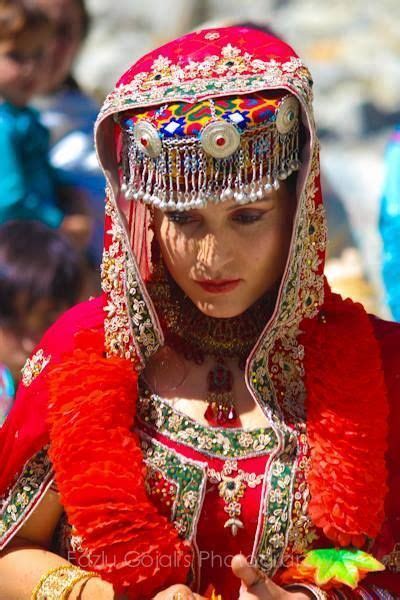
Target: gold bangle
x=317 y=592
x=57 y=583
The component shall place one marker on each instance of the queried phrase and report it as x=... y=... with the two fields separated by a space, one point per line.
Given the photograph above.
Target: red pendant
x=221 y=411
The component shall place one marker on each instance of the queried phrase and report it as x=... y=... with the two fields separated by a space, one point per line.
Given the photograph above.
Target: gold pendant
x=231 y=489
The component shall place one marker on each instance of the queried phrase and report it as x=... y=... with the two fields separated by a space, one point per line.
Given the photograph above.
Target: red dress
x=326 y=375
x=225 y=499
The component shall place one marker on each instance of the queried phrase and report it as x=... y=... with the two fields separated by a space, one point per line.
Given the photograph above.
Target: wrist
x=307 y=590
x=94 y=588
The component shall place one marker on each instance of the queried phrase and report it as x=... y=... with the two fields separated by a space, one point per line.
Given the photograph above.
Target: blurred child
x=29 y=187
x=69 y=113
x=40 y=277
x=389 y=224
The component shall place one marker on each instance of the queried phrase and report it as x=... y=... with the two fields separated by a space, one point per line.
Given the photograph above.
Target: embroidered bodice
x=209 y=481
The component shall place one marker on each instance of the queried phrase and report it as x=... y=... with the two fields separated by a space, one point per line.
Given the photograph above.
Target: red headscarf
x=309 y=340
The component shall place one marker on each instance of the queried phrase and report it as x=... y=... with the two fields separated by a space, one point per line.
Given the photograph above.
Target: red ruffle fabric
x=100 y=474
x=347 y=414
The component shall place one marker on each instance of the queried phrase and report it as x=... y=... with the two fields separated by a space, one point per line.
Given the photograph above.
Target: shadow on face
x=226 y=256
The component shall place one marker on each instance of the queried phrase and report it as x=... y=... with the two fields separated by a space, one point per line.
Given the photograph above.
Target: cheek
x=179 y=252
x=9 y=74
x=267 y=253
x=10 y=347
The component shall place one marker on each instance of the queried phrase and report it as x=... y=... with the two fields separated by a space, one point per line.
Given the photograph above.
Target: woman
x=218 y=383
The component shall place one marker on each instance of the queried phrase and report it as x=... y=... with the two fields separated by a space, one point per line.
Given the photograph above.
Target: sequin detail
x=34 y=366
x=26 y=491
x=157 y=413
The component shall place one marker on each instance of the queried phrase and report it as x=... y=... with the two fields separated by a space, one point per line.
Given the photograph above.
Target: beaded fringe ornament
x=195 y=335
x=221 y=163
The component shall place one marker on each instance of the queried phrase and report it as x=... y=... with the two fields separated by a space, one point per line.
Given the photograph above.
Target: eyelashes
x=180 y=218
x=243 y=217
x=248 y=218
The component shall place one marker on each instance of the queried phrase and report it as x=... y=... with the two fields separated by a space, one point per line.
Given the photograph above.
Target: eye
x=180 y=218
x=248 y=217
x=15 y=56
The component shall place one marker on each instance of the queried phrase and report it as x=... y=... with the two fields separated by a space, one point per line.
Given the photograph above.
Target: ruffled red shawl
x=98 y=462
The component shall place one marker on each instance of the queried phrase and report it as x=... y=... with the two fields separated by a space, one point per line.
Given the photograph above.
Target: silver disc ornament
x=220 y=139
x=287 y=114
x=147 y=138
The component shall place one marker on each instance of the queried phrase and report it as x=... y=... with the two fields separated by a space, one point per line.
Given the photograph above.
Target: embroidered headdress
x=181 y=156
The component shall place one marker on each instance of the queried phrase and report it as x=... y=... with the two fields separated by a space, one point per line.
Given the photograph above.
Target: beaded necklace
x=195 y=335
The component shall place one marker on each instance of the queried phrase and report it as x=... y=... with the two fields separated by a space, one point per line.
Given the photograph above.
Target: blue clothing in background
x=27 y=181
x=70 y=115
x=390 y=225
x=7 y=392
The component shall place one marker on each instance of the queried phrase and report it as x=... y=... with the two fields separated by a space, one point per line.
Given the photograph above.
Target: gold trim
x=58 y=583
x=34 y=366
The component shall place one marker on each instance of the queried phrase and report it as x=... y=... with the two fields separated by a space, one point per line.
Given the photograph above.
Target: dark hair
x=36 y=262
x=19 y=16
x=85 y=17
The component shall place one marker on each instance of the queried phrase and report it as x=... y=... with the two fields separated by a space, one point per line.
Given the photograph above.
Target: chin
x=220 y=310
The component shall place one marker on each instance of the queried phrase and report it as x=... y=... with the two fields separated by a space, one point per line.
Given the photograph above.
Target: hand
x=78 y=228
x=256 y=586
x=178 y=592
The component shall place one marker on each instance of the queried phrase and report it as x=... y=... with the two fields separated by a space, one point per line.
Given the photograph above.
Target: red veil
x=324 y=372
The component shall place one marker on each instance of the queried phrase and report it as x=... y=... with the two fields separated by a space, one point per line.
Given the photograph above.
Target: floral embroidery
x=188 y=478
x=129 y=331
x=212 y=36
x=302 y=533
x=34 y=366
x=118 y=336
x=234 y=71
x=212 y=441
x=276 y=517
x=26 y=491
x=144 y=332
x=232 y=488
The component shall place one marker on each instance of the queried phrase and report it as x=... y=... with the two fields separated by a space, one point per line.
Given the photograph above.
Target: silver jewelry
x=221 y=163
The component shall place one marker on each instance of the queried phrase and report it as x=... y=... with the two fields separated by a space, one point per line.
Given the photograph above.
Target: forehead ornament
x=173 y=169
x=287 y=115
x=220 y=139
x=147 y=138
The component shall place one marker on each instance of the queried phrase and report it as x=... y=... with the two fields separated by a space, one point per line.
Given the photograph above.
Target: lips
x=220 y=286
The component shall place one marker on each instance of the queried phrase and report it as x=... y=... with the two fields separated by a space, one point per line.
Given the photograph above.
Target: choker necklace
x=195 y=335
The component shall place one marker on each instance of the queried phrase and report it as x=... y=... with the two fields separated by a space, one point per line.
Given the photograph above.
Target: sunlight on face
x=226 y=256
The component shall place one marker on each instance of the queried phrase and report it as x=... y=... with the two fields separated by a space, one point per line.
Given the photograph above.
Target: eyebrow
x=249 y=204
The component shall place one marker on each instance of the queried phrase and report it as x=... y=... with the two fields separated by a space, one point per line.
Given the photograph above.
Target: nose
x=214 y=253
x=29 y=67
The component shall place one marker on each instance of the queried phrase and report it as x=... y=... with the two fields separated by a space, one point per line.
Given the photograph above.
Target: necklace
x=231 y=488
x=195 y=335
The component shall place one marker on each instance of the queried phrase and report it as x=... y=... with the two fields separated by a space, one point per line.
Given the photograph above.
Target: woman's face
x=227 y=256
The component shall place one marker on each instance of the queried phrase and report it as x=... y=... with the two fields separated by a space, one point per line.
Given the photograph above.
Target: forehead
x=28 y=41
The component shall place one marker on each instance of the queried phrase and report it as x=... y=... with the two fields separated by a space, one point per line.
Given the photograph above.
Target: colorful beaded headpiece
x=181 y=156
